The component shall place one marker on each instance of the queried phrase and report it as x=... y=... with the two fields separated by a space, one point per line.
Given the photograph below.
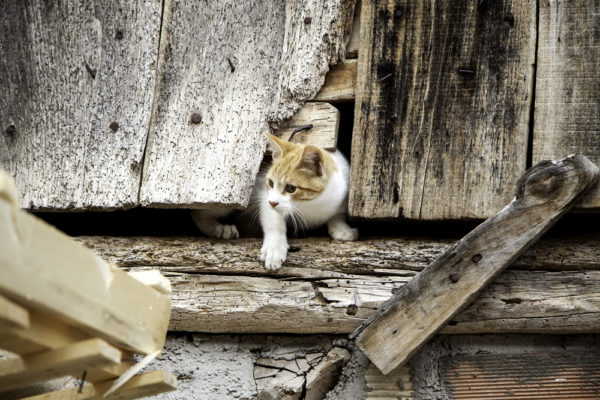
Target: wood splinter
x=422 y=307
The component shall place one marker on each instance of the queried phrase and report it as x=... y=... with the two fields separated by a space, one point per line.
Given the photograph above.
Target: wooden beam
x=247 y=66
x=143 y=385
x=45 y=270
x=81 y=83
x=340 y=83
x=396 y=386
x=422 y=307
x=439 y=129
x=12 y=316
x=71 y=360
x=567 y=90
x=325 y=121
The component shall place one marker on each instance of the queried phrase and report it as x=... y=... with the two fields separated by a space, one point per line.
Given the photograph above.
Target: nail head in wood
x=114 y=126
x=476 y=258
x=119 y=35
x=11 y=130
x=196 y=118
x=454 y=278
x=307 y=20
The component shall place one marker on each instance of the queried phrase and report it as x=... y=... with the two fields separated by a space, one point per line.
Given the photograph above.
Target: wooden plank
x=555 y=375
x=396 y=386
x=12 y=316
x=322 y=257
x=354 y=42
x=325 y=121
x=71 y=360
x=249 y=64
x=143 y=385
x=567 y=90
x=517 y=302
x=38 y=266
x=422 y=307
x=442 y=107
x=340 y=83
x=69 y=71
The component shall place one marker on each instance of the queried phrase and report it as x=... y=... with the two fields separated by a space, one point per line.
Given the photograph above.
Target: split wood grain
x=340 y=83
x=322 y=257
x=143 y=385
x=240 y=66
x=567 y=89
x=442 y=107
x=71 y=360
x=45 y=270
x=421 y=308
x=325 y=121
x=69 y=72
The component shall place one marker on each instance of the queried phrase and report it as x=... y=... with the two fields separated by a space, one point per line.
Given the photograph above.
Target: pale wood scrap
x=325 y=121
x=421 y=308
x=12 y=316
x=325 y=375
x=340 y=83
x=249 y=64
x=552 y=375
x=143 y=385
x=67 y=75
x=37 y=268
x=567 y=90
x=439 y=129
x=396 y=386
x=70 y=360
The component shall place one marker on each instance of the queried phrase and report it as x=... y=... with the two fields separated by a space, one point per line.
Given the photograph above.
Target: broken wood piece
x=154 y=279
x=422 y=307
x=354 y=42
x=321 y=123
x=143 y=385
x=12 y=315
x=322 y=378
x=45 y=270
x=340 y=83
x=71 y=360
x=8 y=190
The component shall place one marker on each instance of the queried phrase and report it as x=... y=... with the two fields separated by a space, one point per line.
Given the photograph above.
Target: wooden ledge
x=332 y=287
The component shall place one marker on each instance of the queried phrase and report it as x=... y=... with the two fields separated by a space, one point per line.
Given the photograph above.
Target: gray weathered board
x=240 y=65
x=68 y=70
x=442 y=107
x=331 y=287
x=567 y=89
x=423 y=306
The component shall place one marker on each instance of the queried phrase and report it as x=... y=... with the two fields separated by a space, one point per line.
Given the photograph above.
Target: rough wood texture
x=322 y=257
x=326 y=286
x=66 y=77
x=567 y=90
x=325 y=121
x=548 y=376
x=143 y=385
x=45 y=270
x=395 y=386
x=422 y=307
x=249 y=63
x=71 y=360
x=442 y=107
x=340 y=83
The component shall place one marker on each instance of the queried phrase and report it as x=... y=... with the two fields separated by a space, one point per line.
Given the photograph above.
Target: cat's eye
x=270 y=183
x=290 y=188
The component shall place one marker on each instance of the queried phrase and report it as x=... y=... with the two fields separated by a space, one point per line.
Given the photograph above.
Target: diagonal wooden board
x=422 y=307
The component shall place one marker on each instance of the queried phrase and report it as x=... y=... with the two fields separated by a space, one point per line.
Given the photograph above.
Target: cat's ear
x=312 y=160
x=279 y=147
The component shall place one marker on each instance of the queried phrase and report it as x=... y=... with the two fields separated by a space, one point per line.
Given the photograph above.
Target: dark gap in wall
x=529 y=159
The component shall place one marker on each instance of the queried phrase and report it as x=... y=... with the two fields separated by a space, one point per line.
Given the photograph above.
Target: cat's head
x=299 y=173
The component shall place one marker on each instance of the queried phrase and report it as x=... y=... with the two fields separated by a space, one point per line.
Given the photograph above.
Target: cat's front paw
x=226 y=232
x=345 y=234
x=273 y=253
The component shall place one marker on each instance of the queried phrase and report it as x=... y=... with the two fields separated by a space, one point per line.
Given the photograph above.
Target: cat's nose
x=273 y=203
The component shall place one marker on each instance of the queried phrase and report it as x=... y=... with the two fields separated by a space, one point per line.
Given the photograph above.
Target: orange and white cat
x=304 y=186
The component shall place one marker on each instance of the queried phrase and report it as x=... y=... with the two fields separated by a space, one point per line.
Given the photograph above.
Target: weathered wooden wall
x=442 y=107
x=77 y=81
x=249 y=63
x=567 y=89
